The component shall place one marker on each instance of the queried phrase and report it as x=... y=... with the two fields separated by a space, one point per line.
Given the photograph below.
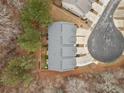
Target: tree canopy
x=36 y=11
x=18 y=71
x=35 y=14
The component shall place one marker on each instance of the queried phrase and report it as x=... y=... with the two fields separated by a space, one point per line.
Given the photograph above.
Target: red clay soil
x=93 y=68
x=60 y=14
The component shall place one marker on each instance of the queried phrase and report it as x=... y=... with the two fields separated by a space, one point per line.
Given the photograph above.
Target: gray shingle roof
x=82 y=5
x=61 y=50
x=70 y=1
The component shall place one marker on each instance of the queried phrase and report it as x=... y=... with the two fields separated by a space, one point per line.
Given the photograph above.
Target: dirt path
x=93 y=68
x=60 y=14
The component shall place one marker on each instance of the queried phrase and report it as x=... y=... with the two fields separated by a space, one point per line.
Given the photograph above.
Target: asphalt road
x=106 y=43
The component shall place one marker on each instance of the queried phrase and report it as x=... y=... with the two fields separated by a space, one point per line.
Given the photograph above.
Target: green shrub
x=35 y=15
x=36 y=11
x=30 y=40
x=18 y=71
x=46 y=57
